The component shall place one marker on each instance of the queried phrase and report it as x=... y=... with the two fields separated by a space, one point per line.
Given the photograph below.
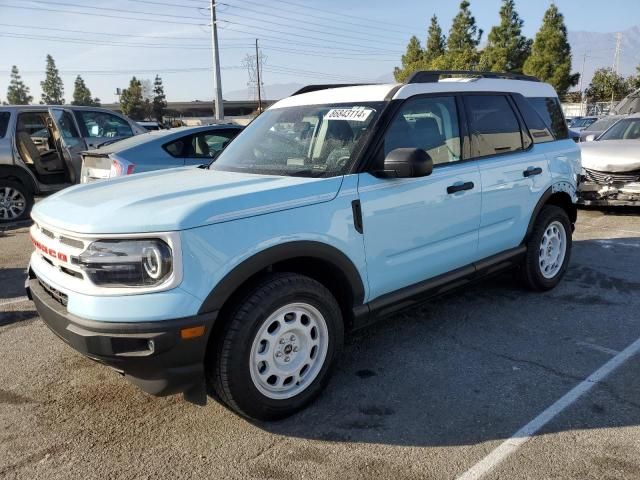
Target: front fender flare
x=287 y=251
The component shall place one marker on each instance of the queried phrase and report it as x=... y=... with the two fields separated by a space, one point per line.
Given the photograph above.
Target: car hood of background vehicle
x=177 y=199
x=611 y=155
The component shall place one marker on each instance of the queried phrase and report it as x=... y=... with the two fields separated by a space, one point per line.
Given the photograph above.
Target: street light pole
x=217 y=82
x=258 y=72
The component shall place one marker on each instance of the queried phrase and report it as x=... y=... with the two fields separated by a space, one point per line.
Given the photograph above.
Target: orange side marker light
x=192 y=332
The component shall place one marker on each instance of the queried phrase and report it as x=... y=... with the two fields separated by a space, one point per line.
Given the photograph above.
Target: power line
x=124 y=72
x=306 y=29
x=83 y=41
x=298 y=71
x=341 y=14
x=324 y=46
x=110 y=34
x=370 y=35
x=119 y=10
x=313 y=54
x=261 y=28
x=151 y=2
x=102 y=15
x=316 y=46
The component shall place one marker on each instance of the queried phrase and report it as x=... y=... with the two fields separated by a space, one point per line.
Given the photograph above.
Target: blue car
x=333 y=208
x=157 y=150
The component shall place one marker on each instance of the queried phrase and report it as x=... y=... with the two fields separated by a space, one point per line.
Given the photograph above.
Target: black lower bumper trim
x=152 y=355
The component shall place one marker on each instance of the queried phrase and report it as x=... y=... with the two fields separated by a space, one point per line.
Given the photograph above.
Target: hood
x=177 y=199
x=611 y=155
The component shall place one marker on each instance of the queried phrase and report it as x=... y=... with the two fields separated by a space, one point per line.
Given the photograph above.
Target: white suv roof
x=376 y=93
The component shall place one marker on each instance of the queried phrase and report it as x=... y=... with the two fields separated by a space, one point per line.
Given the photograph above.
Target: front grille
x=56 y=294
x=71 y=242
x=607 y=178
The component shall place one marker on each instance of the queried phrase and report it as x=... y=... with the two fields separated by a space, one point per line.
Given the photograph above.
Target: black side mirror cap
x=406 y=163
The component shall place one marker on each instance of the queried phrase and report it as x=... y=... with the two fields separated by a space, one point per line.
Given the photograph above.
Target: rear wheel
x=548 y=249
x=16 y=201
x=276 y=351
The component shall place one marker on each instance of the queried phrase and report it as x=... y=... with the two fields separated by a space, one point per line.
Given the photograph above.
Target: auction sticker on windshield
x=358 y=114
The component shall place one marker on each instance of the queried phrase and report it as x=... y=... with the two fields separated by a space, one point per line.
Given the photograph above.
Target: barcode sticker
x=355 y=114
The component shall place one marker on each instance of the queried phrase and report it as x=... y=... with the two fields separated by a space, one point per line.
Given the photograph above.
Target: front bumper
x=152 y=355
x=597 y=194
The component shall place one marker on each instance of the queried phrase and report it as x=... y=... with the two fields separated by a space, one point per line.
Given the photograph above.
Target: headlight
x=127 y=263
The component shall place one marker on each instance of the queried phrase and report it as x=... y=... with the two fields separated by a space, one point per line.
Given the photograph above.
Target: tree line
x=547 y=56
x=139 y=101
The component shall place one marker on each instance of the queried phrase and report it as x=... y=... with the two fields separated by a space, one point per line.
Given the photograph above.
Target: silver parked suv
x=33 y=160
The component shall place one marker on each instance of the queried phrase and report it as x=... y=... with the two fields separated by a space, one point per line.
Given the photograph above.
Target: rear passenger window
x=176 y=148
x=4 y=123
x=550 y=110
x=427 y=123
x=494 y=127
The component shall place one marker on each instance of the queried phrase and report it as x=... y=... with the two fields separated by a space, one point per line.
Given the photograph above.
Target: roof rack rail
x=315 y=88
x=432 y=76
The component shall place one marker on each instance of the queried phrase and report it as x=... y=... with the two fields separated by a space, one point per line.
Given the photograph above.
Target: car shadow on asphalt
x=12 y=282
x=16 y=316
x=8 y=227
x=480 y=363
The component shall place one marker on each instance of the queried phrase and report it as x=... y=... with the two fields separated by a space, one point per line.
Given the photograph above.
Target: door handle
x=531 y=171
x=459 y=187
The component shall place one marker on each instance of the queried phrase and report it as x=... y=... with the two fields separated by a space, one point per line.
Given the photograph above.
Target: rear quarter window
x=550 y=111
x=4 y=123
x=538 y=128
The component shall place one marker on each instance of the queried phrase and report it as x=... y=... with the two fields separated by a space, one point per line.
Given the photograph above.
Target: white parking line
x=11 y=301
x=497 y=456
x=599 y=348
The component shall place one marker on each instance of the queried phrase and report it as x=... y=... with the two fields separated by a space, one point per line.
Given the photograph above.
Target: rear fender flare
x=556 y=188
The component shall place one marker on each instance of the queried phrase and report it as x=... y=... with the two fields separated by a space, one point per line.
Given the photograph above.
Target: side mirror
x=589 y=138
x=407 y=163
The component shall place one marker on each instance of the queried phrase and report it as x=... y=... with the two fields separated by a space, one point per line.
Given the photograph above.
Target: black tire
x=27 y=195
x=530 y=271
x=228 y=365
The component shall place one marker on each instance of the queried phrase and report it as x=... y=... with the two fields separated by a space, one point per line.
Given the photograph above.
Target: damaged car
x=611 y=166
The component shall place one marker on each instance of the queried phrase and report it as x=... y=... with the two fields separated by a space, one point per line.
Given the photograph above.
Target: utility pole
x=217 y=82
x=258 y=70
x=615 y=67
x=584 y=60
x=616 y=58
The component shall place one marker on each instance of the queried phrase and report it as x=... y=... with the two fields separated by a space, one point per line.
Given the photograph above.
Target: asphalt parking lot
x=429 y=393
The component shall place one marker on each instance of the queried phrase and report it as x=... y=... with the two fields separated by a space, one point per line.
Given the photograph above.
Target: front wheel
x=276 y=351
x=548 y=249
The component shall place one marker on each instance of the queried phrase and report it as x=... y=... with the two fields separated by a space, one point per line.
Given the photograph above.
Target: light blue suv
x=335 y=207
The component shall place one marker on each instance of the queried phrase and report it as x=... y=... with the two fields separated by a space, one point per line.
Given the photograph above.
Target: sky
x=302 y=41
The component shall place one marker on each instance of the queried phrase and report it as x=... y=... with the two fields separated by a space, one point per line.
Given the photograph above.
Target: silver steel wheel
x=289 y=351
x=553 y=249
x=12 y=203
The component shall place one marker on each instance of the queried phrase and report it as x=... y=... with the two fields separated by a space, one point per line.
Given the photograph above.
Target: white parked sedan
x=611 y=166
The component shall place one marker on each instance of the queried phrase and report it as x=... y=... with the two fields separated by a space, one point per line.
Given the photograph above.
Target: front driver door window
x=413 y=228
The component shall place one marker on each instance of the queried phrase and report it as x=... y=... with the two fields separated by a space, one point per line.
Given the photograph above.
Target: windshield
x=602 y=124
x=628 y=129
x=308 y=140
x=582 y=122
